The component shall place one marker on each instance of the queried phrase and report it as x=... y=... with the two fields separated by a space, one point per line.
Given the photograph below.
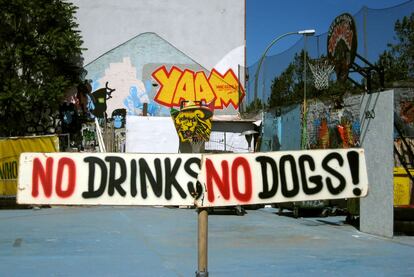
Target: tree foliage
x=40 y=58
x=288 y=88
x=254 y=106
x=398 y=60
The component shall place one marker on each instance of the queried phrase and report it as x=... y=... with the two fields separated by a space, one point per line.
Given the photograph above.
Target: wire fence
x=375 y=30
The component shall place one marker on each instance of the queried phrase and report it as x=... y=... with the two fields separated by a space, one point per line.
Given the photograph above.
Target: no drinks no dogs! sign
x=203 y=180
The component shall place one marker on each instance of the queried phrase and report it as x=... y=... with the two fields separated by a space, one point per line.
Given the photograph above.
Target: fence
x=375 y=28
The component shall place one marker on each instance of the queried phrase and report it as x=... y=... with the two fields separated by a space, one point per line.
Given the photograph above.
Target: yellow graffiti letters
x=203 y=89
x=185 y=88
x=178 y=85
x=227 y=87
x=168 y=83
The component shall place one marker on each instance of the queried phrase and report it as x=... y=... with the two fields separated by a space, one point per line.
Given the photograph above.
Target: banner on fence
x=204 y=180
x=10 y=150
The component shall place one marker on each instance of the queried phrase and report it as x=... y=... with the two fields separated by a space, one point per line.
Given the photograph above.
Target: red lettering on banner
x=244 y=164
x=222 y=183
x=71 y=170
x=45 y=177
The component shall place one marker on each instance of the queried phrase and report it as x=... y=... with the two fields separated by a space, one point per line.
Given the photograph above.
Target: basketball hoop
x=321 y=70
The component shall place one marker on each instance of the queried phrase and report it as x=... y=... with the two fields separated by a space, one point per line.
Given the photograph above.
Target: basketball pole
x=305 y=33
x=304 y=123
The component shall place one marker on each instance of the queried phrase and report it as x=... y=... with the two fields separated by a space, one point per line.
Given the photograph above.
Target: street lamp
x=309 y=32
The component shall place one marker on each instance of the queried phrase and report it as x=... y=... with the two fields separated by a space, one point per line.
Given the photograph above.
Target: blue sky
x=268 y=19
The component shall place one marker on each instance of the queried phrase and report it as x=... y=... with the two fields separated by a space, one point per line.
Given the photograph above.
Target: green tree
x=40 y=58
x=398 y=60
x=288 y=88
x=254 y=106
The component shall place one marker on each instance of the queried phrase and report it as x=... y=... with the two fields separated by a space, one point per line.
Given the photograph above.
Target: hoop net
x=321 y=70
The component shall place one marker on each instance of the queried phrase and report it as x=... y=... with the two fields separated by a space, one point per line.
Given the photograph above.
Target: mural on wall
x=329 y=127
x=404 y=112
x=177 y=85
x=193 y=121
x=404 y=127
x=119 y=118
x=98 y=102
x=334 y=133
x=407 y=111
x=131 y=93
x=149 y=70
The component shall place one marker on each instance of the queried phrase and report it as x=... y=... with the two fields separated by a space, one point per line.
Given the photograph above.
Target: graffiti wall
x=333 y=124
x=130 y=43
x=404 y=111
x=329 y=124
x=147 y=69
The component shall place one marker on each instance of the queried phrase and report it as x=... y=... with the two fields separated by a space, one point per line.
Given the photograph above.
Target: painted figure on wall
x=100 y=97
x=138 y=96
x=119 y=118
x=343 y=134
x=193 y=121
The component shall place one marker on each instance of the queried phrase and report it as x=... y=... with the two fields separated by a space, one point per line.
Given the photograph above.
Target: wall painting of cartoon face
x=193 y=121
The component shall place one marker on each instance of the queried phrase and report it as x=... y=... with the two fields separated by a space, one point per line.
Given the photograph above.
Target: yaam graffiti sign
x=191 y=179
x=177 y=85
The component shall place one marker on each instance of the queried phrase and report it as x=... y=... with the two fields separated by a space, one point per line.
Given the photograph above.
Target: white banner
x=205 y=180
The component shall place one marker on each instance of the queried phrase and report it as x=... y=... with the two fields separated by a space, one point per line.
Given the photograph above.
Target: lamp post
x=309 y=32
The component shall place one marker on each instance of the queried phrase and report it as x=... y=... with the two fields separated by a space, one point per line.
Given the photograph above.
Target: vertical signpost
x=193 y=125
x=202 y=242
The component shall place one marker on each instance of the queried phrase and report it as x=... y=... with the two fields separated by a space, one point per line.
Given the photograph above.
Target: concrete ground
x=151 y=241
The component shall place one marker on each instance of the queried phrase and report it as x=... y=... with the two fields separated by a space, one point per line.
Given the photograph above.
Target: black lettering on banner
x=295 y=179
x=8 y=170
x=196 y=191
x=15 y=169
x=317 y=179
x=116 y=183
x=92 y=162
x=353 y=161
x=145 y=172
x=133 y=178
x=264 y=161
x=170 y=179
x=325 y=165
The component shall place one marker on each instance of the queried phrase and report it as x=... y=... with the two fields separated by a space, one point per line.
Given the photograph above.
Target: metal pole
x=202 y=242
x=304 y=66
x=256 y=77
x=304 y=125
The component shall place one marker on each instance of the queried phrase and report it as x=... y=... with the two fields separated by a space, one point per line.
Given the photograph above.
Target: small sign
x=193 y=121
x=204 y=180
